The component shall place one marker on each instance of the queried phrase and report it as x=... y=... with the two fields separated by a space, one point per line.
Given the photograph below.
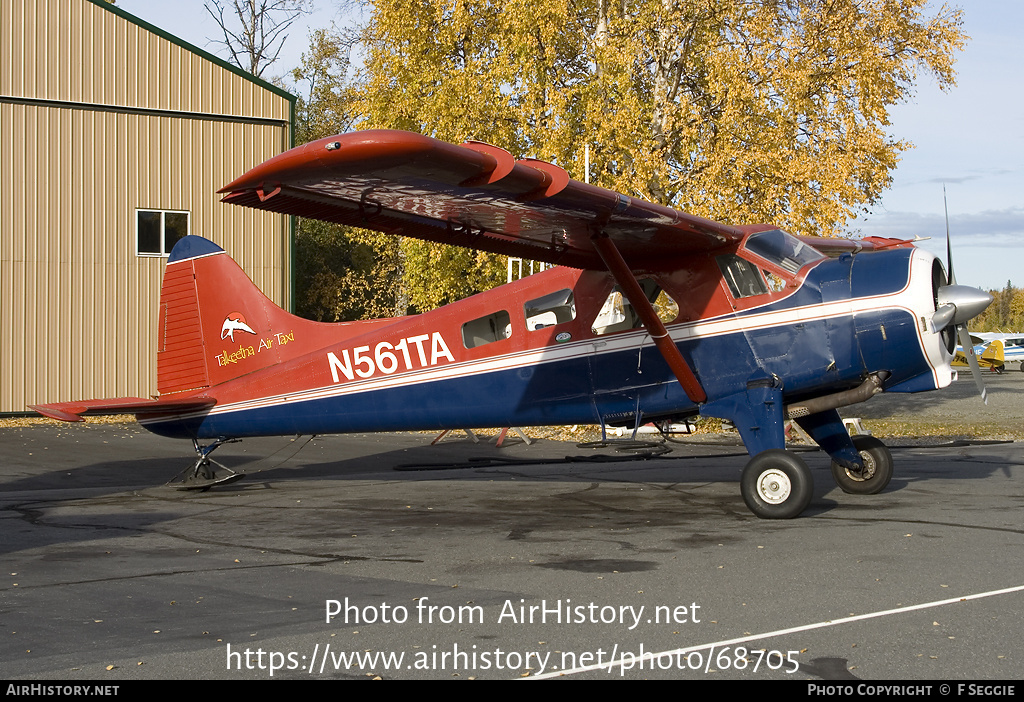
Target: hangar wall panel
x=99 y=117
x=83 y=52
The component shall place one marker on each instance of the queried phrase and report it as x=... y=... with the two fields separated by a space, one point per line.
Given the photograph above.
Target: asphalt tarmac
x=333 y=564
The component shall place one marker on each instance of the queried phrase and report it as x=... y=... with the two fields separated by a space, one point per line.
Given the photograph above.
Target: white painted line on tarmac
x=621 y=662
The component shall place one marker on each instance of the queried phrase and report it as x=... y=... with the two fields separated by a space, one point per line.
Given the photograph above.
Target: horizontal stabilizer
x=834 y=246
x=139 y=406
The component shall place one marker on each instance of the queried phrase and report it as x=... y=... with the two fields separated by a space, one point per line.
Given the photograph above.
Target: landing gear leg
x=205 y=472
x=861 y=465
x=776 y=483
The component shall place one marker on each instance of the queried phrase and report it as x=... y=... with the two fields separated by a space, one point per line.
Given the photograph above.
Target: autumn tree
x=1005 y=314
x=739 y=110
x=323 y=83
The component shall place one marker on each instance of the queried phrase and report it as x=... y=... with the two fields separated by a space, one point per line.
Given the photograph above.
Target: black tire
x=877 y=465
x=777 y=484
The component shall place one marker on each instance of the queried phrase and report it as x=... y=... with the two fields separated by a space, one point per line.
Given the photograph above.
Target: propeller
x=957 y=305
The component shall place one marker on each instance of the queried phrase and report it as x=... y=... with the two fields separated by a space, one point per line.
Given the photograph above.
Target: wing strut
x=606 y=249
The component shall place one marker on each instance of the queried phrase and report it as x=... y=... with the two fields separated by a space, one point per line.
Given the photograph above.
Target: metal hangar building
x=114 y=138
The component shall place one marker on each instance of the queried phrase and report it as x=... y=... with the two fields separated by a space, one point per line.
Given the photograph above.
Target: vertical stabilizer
x=215 y=324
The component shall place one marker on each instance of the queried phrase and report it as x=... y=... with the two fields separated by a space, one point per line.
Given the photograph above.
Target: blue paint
x=192 y=246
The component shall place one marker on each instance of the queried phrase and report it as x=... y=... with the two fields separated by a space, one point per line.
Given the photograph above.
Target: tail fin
x=994 y=353
x=215 y=324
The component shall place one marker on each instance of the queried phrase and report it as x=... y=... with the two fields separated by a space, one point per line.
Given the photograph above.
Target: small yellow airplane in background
x=994 y=351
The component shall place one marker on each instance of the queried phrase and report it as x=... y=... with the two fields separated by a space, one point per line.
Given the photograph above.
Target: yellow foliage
x=741 y=111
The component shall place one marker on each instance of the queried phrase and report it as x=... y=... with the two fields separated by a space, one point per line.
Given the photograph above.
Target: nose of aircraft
x=957 y=304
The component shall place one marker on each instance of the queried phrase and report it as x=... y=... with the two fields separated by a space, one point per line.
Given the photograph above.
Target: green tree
x=1005 y=300
x=324 y=82
x=342 y=274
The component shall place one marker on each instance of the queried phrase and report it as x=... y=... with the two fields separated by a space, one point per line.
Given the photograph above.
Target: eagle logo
x=232 y=323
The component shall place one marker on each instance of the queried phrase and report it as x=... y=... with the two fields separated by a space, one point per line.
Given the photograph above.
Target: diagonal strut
x=634 y=293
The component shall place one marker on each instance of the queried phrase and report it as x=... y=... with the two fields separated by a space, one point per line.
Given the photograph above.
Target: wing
x=473 y=195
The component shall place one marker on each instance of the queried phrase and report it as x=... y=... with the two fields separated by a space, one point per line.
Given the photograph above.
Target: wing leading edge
x=473 y=195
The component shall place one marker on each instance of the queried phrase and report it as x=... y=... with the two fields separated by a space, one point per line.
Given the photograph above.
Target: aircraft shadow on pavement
x=685 y=492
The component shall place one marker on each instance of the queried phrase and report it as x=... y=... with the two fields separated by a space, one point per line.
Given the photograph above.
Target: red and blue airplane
x=649 y=314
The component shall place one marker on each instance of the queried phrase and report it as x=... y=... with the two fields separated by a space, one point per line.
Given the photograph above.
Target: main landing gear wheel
x=777 y=484
x=877 y=468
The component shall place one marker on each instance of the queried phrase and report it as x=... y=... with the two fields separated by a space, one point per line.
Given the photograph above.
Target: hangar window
x=554 y=308
x=486 y=330
x=157 y=231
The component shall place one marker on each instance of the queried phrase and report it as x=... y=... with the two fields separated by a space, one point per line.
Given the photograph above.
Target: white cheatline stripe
x=779 y=632
x=700 y=329
x=626 y=341
x=193 y=258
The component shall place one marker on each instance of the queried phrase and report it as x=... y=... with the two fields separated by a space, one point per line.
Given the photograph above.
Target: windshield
x=786 y=251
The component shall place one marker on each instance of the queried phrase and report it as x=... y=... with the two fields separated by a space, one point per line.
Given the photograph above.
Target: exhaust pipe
x=871 y=386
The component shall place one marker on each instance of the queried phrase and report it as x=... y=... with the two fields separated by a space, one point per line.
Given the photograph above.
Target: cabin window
x=486 y=330
x=776 y=283
x=617 y=314
x=555 y=308
x=741 y=276
x=157 y=231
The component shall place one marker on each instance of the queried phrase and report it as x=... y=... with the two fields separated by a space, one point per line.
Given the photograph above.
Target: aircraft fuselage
x=559 y=347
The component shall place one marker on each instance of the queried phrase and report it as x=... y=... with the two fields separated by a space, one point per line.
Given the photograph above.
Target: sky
x=969 y=138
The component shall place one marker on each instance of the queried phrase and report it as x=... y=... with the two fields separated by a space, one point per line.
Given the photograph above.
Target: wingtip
x=59 y=412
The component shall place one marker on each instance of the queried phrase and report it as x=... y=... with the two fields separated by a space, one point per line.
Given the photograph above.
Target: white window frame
x=163 y=253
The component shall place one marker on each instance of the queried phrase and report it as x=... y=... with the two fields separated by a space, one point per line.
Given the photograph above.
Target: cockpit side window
x=487 y=330
x=554 y=308
x=742 y=276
